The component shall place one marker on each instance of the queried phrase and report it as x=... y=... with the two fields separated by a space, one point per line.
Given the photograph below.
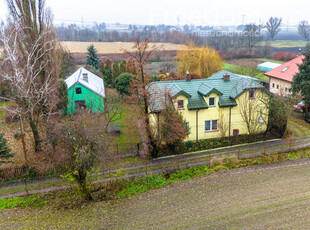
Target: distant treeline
x=75 y=33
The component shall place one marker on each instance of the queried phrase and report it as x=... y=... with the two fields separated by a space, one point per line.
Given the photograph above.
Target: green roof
x=194 y=90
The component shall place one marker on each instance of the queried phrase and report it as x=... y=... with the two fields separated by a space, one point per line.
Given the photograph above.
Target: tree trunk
x=35 y=133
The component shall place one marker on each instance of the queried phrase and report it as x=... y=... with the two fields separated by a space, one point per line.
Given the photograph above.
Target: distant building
x=267 y=66
x=280 y=78
x=85 y=91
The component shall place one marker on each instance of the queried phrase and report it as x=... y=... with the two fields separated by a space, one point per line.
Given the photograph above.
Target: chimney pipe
x=226 y=77
x=188 y=77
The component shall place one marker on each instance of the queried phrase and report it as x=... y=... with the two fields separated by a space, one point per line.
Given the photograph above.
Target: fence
x=127 y=148
x=193 y=146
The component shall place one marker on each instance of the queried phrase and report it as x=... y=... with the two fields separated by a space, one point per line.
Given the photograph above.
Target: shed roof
x=270 y=65
x=94 y=82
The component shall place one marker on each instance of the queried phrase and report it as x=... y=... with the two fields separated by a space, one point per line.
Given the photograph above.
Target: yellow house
x=222 y=105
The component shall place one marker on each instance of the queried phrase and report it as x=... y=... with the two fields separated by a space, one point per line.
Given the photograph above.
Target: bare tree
x=304 y=29
x=252 y=105
x=24 y=78
x=143 y=51
x=222 y=125
x=32 y=60
x=252 y=35
x=272 y=26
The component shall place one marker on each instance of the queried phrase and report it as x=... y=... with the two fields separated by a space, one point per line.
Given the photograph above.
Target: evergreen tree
x=123 y=67
x=123 y=82
x=115 y=70
x=5 y=152
x=301 y=81
x=107 y=75
x=92 y=58
x=63 y=97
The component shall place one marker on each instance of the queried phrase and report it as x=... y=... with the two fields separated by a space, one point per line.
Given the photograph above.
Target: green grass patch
x=246 y=71
x=298 y=127
x=286 y=43
x=269 y=60
x=2 y=112
x=34 y=201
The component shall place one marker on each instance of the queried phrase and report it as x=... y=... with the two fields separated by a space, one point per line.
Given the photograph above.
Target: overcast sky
x=198 y=12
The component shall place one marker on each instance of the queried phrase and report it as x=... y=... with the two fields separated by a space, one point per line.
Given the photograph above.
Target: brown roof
x=286 y=71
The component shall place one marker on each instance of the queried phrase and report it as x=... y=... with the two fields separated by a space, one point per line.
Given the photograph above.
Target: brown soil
x=262 y=197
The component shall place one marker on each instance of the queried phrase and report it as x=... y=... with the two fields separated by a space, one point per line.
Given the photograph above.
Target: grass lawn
x=298 y=127
x=257 y=197
x=269 y=60
x=283 y=44
x=245 y=71
x=2 y=112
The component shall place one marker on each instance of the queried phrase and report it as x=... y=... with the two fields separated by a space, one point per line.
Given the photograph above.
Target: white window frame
x=178 y=104
x=214 y=102
x=211 y=125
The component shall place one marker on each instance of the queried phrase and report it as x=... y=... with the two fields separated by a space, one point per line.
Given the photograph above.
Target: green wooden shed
x=85 y=91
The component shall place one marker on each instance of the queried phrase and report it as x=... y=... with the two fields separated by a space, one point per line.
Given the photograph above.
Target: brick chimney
x=188 y=77
x=226 y=77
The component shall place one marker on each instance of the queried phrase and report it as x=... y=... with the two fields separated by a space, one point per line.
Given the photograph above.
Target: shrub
x=284 y=56
x=123 y=82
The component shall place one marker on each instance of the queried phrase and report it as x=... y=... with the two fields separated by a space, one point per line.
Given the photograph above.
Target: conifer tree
x=5 y=152
x=301 y=82
x=123 y=67
x=115 y=70
x=92 y=58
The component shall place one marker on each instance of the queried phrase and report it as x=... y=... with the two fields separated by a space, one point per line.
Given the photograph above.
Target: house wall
x=222 y=115
x=282 y=85
x=93 y=101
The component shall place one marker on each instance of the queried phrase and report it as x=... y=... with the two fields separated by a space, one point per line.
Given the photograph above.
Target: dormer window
x=85 y=77
x=284 y=69
x=212 y=101
x=180 y=104
x=252 y=94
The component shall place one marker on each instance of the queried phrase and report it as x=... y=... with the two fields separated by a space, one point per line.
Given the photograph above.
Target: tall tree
x=32 y=61
x=203 y=61
x=304 y=29
x=273 y=27
x=301 y=82
x=115 y=70
x=142 y=52
x=123 y=67
x=92 y=57
x=252 y=35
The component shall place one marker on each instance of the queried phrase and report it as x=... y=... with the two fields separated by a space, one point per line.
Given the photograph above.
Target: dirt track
x=274 y=196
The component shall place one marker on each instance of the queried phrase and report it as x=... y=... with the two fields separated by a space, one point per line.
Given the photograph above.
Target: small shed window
x=252 y=94
x=273 y=85
x=212 y=101
x=85 y=77
x=78 y=90
x=278 y=86
x=180 y=104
